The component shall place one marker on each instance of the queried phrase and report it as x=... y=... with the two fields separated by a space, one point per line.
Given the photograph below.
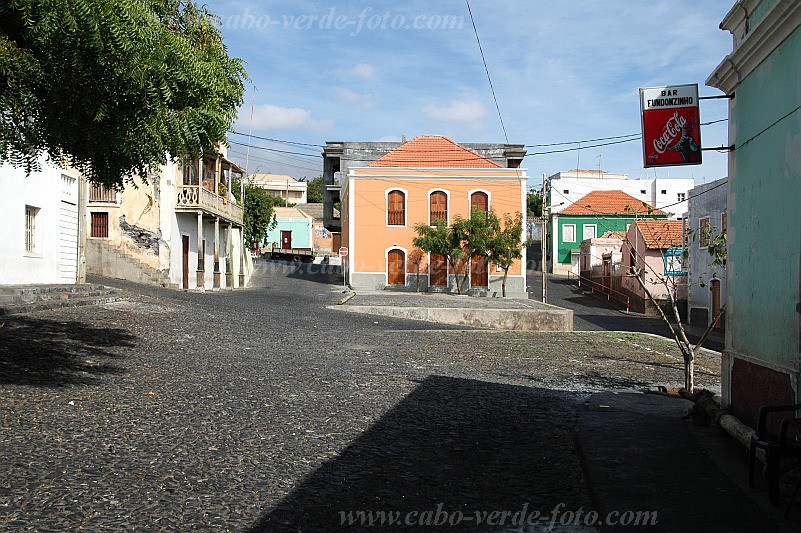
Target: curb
x=346 y=298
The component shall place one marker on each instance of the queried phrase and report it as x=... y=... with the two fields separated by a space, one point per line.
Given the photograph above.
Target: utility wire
x=486 y=69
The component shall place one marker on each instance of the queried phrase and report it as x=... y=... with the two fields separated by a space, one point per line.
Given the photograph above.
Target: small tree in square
x=415 y=258
x=506 y=242
x=444 y=240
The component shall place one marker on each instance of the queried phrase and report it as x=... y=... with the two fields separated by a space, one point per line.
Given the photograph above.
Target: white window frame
x=31 y=231
x=584 y=231
x=470 y=200
x=564 y=227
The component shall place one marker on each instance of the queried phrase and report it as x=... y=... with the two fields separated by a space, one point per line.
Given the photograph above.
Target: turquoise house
x=762 y=75
x=292 y=228
x=589 y=217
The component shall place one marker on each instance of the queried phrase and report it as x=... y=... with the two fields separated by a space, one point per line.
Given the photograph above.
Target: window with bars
x=30 y=228
x=99 y=225
x=396 y=208
x=438 y=207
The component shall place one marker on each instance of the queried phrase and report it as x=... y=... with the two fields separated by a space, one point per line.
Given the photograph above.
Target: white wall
x=43 y=190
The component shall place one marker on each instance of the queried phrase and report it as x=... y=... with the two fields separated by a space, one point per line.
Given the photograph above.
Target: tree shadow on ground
x=51 y=353
x=453 y=445
x=317 y=273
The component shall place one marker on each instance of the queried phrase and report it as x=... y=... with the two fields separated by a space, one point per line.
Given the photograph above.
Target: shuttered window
x=479 y=200
x=438 y=207
x=396 y=208
x=100 y=225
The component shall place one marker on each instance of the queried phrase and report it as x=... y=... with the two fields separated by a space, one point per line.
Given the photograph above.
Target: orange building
x=425 y=179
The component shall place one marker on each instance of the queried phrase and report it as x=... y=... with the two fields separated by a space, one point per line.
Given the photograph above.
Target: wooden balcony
x=194 y=198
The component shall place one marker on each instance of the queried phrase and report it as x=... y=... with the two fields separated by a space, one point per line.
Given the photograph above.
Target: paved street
x=262 y=410
x=596 y=314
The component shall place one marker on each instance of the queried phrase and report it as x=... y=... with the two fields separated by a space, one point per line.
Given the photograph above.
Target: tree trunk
x=417 y=279
x=503 y=285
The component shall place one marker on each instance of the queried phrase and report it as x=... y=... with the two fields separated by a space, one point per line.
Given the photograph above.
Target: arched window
x=396 y=208
x=479 y=200
x=438 y=207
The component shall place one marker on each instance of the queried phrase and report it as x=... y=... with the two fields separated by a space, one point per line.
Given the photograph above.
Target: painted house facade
x=762 y=359
x=281 y=186
x=39 y=216
x=652 y=251
x=706 y=218
x=291 y=228
x=423 y=180
x=590 y=217
x=180 y=228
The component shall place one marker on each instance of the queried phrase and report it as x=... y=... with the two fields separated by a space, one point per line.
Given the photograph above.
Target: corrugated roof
x=290 y=212
x=609 y=203
x=660 y=234
x=433 y=151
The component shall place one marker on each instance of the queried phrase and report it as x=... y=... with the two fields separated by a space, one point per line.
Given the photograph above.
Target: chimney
x=403 y=138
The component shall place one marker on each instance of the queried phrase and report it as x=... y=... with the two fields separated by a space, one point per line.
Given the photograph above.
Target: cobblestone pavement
x=400 y=299
x=261 y=410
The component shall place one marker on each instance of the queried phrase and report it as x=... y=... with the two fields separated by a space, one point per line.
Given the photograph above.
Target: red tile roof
x=660 y=234
x=433 y=151
x=609 y=203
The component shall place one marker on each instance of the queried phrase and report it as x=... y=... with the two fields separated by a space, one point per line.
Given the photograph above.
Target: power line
x=769 y=127
x=486 y=69
x=276 y=140
x=275 y=150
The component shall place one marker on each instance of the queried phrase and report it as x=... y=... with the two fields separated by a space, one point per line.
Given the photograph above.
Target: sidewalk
x=639 y=455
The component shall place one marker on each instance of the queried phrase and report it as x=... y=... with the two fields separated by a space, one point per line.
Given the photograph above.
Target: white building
x=39 y=217
x=286 y=187
x=669 y=195
x=181 y=228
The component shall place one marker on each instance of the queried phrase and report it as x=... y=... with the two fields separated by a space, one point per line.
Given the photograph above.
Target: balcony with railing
x=195 y=197
x=99 y=193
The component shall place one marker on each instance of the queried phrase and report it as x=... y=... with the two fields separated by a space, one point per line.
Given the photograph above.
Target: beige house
x=180 y=228
x=286 y=187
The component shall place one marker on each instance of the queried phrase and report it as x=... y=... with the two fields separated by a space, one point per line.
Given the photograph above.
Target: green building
x=762 y=75
x=592 y=216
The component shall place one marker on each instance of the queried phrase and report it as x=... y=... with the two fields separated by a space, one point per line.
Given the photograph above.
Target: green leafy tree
x=534 y=203
x=314 y=193
x=113 y=86
x=259 y=214
x=506 y=244
x=444 y=240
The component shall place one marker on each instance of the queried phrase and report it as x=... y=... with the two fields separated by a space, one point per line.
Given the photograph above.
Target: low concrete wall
x=548 y=318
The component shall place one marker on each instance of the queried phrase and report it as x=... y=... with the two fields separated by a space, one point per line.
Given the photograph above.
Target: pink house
x=652 y=250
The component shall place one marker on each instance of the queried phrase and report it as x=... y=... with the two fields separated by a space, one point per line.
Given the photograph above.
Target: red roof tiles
x=433 y=151
x=660 y=234
x=609 y=203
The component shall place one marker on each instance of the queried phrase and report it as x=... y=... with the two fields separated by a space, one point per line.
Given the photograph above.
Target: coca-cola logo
x=672 y=132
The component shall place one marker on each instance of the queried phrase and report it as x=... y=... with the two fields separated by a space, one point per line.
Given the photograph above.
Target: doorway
x=286 y=239
x=185 y=252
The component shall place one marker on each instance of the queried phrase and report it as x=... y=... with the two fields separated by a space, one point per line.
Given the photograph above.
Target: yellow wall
x=372 y=236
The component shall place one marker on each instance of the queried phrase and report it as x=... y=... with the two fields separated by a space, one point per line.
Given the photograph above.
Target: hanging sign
x=671 y=130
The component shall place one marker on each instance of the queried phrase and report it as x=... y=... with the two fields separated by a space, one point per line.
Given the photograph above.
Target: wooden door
x=185 y=251
x=715 y=286
x=286 y=239
x=337 y=243
x=396 y=268
x=438 y=271
x=438 y=207
x=479 y=274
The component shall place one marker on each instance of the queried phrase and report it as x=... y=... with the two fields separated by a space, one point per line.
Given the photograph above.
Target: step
x=45 y=305
x=28 y=298
x=45 y=289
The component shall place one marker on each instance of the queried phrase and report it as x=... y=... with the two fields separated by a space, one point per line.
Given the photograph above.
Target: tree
x=444 y=240
x=415 y=258
x=718 y=251
x=111 y=87
x=258 y=214
x=314 y=193
x=506 y=245
x=534 y=203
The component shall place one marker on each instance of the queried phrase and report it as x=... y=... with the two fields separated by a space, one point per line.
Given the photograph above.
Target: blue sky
x=562 y=72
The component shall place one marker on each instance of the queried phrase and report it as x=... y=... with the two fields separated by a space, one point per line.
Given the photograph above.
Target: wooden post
x=229 y=275
x=201 y=275
x=216 y=252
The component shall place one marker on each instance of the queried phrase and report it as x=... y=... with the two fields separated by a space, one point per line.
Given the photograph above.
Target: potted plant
x=223 y=191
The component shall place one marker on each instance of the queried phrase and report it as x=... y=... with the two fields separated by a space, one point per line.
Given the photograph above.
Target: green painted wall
x=604 y=224
x=300 y=228
x=764 y=236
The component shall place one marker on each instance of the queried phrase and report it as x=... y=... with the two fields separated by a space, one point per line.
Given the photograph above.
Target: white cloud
x=467 y=110
x=389 y=139
x=270 y=117
x=366 y=101
x=364 y=71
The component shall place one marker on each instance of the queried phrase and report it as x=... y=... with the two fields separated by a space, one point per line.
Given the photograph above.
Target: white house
x=706 y=217
x=286 y=187
x=39 y=217
x=179 y=228
x=669 y=195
